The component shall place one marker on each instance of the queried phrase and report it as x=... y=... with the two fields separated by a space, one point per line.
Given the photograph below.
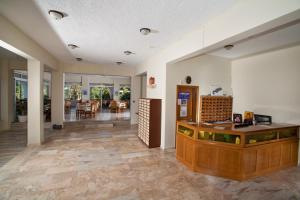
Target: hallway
x=113 y=163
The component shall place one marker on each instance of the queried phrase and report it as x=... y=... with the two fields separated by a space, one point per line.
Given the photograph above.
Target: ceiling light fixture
x=128 y=53
x=56 y=14
x=145 y=31
x=73 y=46
x=79 y=59
x=228 y=47
x=119 y=63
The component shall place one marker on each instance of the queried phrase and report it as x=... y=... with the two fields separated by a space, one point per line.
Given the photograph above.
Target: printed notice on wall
x=183 y=111
x=179 y=102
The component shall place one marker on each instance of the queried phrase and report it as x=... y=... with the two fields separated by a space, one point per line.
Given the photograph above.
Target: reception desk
x=239 y=154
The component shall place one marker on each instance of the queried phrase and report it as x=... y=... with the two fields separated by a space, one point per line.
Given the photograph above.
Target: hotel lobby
x=162 y=99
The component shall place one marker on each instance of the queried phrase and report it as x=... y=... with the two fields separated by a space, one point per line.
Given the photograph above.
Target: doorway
x=90 y=97
x=187 y=102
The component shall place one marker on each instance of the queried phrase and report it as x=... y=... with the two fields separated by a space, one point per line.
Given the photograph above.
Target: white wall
x=268 y=83
x=228 y=27
x=205 y=71
x=90 y=68
x=144 y=86
x=76 y=78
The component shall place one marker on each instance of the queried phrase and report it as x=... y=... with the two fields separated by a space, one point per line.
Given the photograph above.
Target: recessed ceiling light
x=119 y=63
x=128 y=53
x=228 y=47
x=56 y=14
x=73 y=46
x=79 y=59
x=145 y=31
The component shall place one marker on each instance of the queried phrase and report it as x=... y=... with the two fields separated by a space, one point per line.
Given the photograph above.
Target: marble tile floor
x=114 y=164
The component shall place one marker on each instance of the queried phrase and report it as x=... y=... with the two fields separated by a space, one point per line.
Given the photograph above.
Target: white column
x=4 y=78
x=57 y=98
x=85 y=87
x=116 y=89
x=35 y=132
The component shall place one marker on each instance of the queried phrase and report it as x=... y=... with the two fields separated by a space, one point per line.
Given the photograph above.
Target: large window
x=98 y=92
x=73 y=91
x=47 y=89
x=21 y=89
x=124 y=93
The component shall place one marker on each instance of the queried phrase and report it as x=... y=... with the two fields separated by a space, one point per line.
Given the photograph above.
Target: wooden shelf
x=149 y=121
x=215 y=108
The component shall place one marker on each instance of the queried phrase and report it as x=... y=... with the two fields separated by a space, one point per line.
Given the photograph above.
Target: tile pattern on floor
x=11 y=143
x=114 y=164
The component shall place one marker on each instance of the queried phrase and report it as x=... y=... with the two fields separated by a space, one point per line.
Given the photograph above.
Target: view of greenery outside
x=124 y=93
x=73 y=92
x=95 y=93
x=46 y=89
x=18 y=91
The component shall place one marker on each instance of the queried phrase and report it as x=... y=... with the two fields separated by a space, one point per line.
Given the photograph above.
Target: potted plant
x=22 y=110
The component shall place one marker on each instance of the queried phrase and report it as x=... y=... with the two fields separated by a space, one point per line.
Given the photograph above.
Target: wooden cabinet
x=149 y=121
x=237 y=153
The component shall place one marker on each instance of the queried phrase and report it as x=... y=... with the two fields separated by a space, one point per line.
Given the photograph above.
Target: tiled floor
x=114 y=164
x=104 y=115
x=11 y=143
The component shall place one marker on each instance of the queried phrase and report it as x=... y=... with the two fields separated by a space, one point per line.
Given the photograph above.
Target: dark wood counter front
x=243 y=153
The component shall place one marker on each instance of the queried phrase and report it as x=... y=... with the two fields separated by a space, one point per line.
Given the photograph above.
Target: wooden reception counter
x=243 y=153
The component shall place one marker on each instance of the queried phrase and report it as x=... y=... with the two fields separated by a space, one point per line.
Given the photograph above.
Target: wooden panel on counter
x=224 y=152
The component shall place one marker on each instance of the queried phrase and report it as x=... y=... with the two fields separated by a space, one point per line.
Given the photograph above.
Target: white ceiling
x=281 y=37
x=105 y=28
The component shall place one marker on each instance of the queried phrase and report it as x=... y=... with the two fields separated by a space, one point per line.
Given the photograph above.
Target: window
x=73 y=91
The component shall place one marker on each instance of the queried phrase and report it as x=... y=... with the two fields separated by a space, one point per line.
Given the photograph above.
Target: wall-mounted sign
x=183 y=95
x=183 y=98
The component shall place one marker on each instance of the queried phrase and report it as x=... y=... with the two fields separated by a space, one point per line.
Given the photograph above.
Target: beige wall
x=268 y=83
x=24 y=45
x=7 y=65
x=205 y=71
x=90 y=68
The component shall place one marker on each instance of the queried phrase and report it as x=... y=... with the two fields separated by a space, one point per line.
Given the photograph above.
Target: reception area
x=163 y=99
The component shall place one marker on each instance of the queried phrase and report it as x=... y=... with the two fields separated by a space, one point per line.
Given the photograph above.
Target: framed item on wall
x=84 y=92
x=151 y=82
